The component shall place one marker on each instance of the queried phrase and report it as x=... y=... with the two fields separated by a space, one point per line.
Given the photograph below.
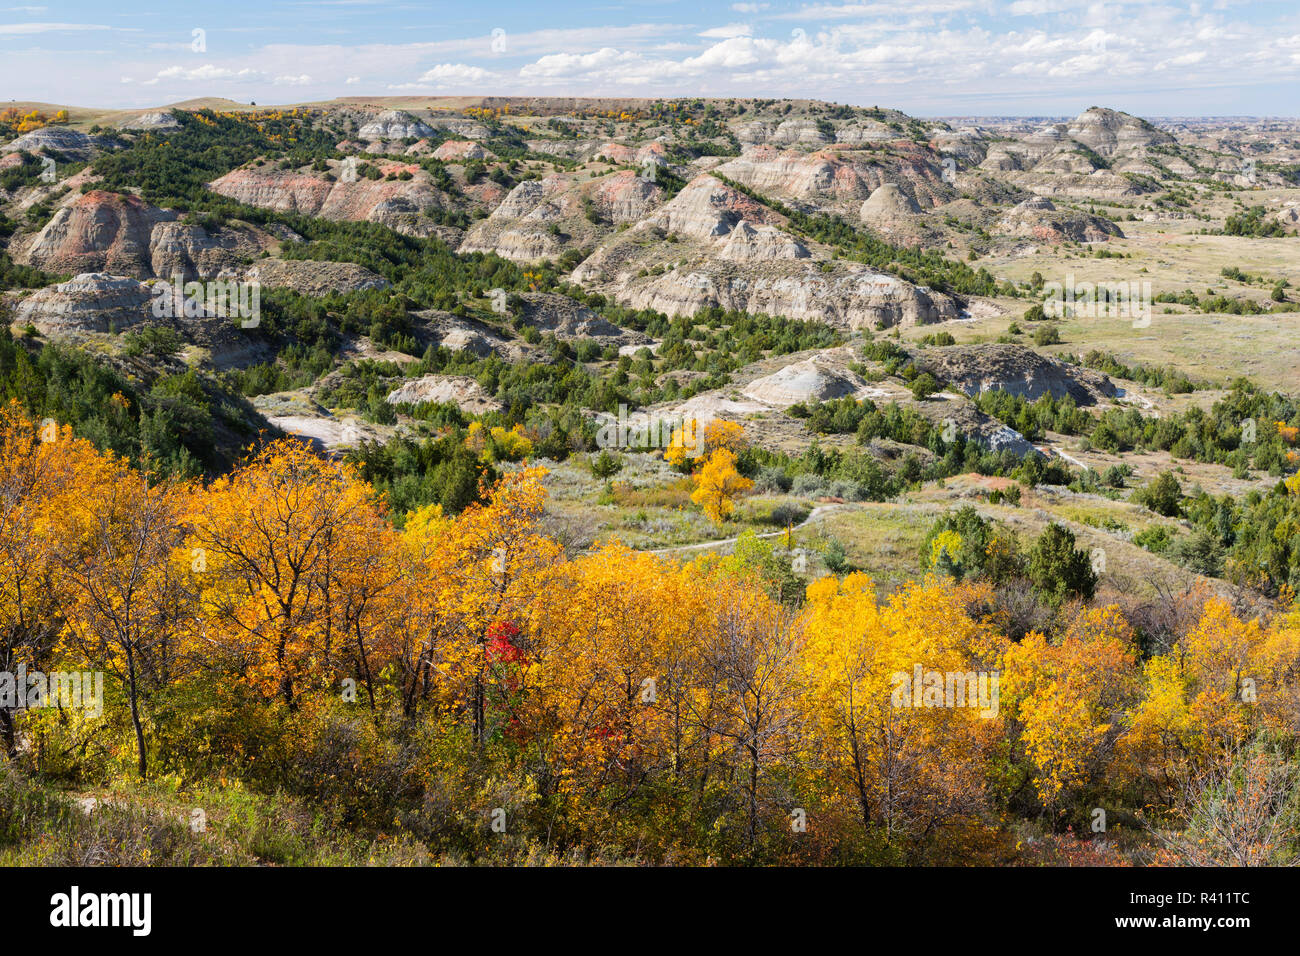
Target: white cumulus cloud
x=454 y=73
x=206 y=73
x=728 y=31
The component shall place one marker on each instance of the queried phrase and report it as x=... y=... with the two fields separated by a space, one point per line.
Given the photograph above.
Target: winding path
x=817 y=512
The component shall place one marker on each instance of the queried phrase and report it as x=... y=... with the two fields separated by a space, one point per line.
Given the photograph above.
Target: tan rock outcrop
x=314 y=277
x=850 y=298
x=1110 y=132
x=1038 y=218
x=748 y=243
x=538 y=219
x=706 y=209
x=809 y=380
x=463 y=391
x=72 y=144
x=624 y=196
x=836 y=174
x=888 y=202
x=152 y=121
x=97 y=232
x=1016 y=369
x=732 y=252
x=394 y=124
x=568 y=320
x=177 y=248
x=396 y=203
x=123 y=235
x=460 y=151
x=92 y=302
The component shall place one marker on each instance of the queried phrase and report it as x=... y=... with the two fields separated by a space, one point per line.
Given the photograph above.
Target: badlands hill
x=498 y=322
x=541 y=262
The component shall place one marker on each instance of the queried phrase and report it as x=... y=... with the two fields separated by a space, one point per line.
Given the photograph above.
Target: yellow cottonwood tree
x=685 y=445
x=907 y=769
x=45 y=474
x=718 y=484
x=269 y=545
x=611 y=707
x=128 y=607
x=480 y=568
x=1069 y=698
x=1222 y=681
x=721 y=433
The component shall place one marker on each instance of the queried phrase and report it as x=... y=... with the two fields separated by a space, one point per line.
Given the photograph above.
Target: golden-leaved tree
x=908 y=770
x=668 y=710
x=1224 y=681
x=271 y=547
x=1069 y=698
x=718 y=484
x=610 y=707
x=482 y=568
x=44 y=474
x=129 y=607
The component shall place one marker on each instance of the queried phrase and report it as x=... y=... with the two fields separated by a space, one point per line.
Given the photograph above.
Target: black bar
x=945 y=906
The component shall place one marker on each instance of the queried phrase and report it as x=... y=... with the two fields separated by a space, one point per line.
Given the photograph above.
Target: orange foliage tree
x=271 y=549
x=674 y=710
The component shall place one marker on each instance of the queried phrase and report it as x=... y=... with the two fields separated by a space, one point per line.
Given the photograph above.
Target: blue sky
x=928 y=57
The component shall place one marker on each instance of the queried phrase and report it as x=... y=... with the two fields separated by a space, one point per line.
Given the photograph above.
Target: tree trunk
x=480 y=709
x=135 y=712
x=8 y=733
x=286 y=691
x=286 y=679
x=365 y=667
x=859 y=774
x=480 y=695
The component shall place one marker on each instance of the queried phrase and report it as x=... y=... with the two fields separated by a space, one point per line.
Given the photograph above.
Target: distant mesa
x=1110 y=132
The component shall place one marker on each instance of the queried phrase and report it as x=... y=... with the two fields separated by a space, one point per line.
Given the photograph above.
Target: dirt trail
x=818 y=512
x=1072 y=460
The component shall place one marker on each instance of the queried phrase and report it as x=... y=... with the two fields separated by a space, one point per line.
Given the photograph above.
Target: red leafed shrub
x=502 y=643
